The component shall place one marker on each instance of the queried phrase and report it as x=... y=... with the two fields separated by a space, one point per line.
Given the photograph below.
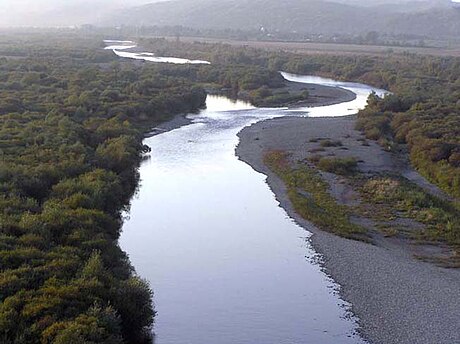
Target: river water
x=227 y=264
x=123 y=49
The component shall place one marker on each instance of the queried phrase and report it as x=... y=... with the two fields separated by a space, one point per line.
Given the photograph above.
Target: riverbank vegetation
x=430 y=129
x=371 y=205
x=399 y=208
x=309 y=194
x=396 y=195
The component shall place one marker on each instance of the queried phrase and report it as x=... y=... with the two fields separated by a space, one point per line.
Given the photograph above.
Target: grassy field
x=306 y=48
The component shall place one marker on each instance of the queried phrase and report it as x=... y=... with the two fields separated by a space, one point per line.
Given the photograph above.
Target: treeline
x=71 y=130
x=264 y=35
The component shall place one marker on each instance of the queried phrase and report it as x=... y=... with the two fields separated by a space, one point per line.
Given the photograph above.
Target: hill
x=432 y=19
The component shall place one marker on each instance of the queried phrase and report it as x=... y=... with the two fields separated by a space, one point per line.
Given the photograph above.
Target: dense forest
x=72 y=120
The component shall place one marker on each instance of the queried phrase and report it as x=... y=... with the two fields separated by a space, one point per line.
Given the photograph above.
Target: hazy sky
x=38 y=12
x=47 y=4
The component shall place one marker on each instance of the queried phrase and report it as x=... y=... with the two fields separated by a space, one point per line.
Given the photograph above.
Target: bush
x=342 y=166
x=329 y=143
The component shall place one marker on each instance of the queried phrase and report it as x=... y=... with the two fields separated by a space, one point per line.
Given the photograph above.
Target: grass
x=441 y=217
x=311 y=199
x=388 y=231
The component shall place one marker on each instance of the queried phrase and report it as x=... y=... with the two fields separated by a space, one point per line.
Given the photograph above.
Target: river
x=227 y=264
x=124 y=49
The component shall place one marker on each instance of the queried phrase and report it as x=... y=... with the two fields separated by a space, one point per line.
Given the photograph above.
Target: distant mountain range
x=409 y=18
x=434 y=19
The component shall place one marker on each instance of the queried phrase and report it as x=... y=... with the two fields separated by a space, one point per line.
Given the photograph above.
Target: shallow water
x=120 y=49
x=227 y=264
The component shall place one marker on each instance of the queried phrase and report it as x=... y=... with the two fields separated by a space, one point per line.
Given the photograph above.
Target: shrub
x=330 y=143
x=342 y=166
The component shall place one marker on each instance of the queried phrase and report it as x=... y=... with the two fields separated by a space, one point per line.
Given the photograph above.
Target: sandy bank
x=398 y=299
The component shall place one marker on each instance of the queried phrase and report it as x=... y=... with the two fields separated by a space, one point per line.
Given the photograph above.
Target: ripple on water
x=227 y=264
